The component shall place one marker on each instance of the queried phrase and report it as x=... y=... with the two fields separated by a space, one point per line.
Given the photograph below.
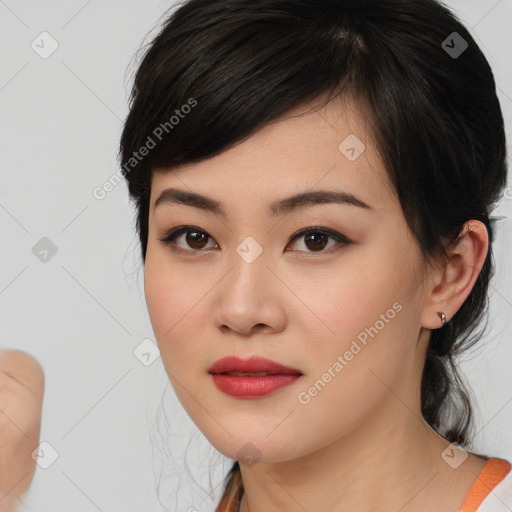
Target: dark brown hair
x=425 y=87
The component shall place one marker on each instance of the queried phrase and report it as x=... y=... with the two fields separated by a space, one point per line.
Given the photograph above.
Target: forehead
x=316 y=146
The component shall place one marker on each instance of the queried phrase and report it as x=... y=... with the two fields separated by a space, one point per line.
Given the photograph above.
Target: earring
x=443 y=318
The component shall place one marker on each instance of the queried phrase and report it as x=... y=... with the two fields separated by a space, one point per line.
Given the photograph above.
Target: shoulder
x=496 y=479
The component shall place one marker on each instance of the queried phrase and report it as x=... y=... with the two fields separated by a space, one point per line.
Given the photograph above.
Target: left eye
x=314 y=238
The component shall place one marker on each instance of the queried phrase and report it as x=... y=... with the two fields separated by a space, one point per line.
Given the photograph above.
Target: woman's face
x=346 y=313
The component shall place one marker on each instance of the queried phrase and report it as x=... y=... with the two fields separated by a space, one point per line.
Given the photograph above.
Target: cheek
x=170 y=298
x=362 y=312
x=346 y=299
x=177 y=303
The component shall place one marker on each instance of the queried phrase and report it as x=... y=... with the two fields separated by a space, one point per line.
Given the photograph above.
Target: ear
x=451 y=285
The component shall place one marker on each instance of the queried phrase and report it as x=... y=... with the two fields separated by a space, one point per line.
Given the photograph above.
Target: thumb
x=21 y=400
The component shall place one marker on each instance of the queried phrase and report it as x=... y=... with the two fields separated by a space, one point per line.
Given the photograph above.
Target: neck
x=384 y=465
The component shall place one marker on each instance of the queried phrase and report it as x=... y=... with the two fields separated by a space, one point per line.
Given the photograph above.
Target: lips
x=252 y=367
x=252 y=378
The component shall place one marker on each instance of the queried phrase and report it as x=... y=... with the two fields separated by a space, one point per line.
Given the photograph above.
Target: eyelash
x=174 y=233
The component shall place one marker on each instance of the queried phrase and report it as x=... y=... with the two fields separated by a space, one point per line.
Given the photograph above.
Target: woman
x=313 y=182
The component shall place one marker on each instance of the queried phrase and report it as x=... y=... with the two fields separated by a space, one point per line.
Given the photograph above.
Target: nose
x=250 y=298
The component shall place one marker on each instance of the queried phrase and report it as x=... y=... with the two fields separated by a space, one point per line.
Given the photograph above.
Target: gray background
x=82 y=312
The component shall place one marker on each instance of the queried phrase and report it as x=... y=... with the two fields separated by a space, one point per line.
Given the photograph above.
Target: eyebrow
x=276 y=209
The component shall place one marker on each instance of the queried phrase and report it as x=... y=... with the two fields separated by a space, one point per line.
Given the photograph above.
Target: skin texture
x=21 y=401
x=360 y=443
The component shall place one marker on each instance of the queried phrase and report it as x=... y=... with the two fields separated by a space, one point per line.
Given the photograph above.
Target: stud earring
x=442 y=316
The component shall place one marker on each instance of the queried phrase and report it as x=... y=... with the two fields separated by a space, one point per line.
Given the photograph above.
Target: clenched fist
x=21 y=401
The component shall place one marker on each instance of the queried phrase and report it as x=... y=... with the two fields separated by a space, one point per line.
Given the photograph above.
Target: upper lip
x=254 y=364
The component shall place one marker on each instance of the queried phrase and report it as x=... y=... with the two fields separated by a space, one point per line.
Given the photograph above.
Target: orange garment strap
x=493 y=473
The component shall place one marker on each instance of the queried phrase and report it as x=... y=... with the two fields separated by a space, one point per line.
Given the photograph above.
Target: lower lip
x=252 y=386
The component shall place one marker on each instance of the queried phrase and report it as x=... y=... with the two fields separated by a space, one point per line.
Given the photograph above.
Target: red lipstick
x=254 y=377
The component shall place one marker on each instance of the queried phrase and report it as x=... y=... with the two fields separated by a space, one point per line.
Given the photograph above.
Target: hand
x=21 y=400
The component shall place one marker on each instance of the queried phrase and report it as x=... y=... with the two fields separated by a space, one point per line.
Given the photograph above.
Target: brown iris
x=315 y=238
x=196 y=238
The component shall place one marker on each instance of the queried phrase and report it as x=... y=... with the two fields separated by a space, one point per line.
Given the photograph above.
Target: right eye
x=195 y=238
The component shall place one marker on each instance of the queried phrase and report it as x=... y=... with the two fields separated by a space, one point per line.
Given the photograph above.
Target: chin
x=258 y=448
